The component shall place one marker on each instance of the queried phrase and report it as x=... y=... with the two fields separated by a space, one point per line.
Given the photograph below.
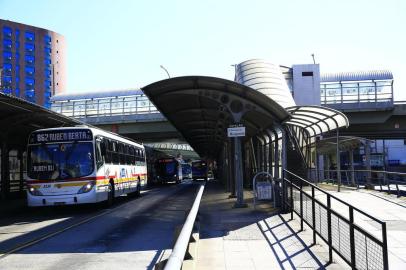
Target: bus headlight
x=86 y=188
x=34 y=191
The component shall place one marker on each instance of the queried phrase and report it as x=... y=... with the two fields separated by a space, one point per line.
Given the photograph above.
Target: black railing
x=341 y=225
x=393 y=182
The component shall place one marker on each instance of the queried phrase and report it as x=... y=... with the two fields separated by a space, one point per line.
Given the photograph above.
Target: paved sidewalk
x=248 y=239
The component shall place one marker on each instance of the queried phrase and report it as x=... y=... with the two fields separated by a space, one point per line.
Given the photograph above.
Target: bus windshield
x=60 y=161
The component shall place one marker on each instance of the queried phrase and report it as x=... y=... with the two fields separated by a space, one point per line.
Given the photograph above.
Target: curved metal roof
x=202 y=108
x=357 y=76
x=96 y=94
x=316 y=119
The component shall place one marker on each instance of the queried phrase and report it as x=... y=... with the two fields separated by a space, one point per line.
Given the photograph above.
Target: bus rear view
x=199 y=170
x=168 y=170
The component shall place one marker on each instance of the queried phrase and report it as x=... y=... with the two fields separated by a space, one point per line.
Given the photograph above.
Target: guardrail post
x=352 y=240
x=301 y=206
x=314 y=216
x=385 y=247
x=330 y=243
x=388 y=183
x=291 y=200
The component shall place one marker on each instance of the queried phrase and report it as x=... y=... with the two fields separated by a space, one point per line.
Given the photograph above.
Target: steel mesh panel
x=288 y=198
x=368 y=253
x=321 y=225
x=296 y=200
x=340 y=236
x=307 y=209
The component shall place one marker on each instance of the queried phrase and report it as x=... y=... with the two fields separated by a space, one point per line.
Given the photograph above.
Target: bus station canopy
x=316 y=120
x=202 y=108
x=19 y=118
x=345 y=143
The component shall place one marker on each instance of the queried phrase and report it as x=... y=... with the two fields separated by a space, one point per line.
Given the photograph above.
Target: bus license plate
x=59 y=203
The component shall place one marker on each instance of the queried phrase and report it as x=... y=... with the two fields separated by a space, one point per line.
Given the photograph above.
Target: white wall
x=306 y=89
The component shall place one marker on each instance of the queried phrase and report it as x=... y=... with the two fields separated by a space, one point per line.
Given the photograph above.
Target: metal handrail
x=175 y=260
x=336 y=198
x=347 y=251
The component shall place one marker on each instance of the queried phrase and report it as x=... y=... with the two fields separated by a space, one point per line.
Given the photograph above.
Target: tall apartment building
x=32 y=62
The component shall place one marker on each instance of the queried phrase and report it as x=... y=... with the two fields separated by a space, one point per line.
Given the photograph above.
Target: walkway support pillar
x=5 y=175
x=368 y=163
x=231 y=154
x=238 y=173
x=338 y=164
x=351 y=153
x=276 y=157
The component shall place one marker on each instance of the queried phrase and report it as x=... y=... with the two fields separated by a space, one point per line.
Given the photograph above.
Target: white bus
x=78 y=165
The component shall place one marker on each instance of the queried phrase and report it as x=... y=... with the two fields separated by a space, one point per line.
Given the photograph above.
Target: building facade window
x=29 y=47
x=7 y=67
x=47 y=84
x=7 y=44
x=29 y=36
x=47 y=51
x=29 y=71
x=7 y=55
x=7 y=79
x=7 y=32
x=30 y=95
x=48 y=73
x=29 y=82
x=47 y=39
x=29 y=59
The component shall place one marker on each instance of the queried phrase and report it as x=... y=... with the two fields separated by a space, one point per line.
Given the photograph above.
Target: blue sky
x=122 y=43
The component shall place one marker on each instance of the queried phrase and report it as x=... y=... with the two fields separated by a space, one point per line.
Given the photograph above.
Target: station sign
x=238 y=131
x=51 y=136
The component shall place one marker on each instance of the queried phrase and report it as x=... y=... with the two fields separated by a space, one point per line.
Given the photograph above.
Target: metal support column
x=21 y=160
x=284 y=167
x=351 y=153
x=338 y=164
x=5 y=173
x=327 y=158
x=276 y=157
x=368 y=164
x=231 y=177
x=238 y=173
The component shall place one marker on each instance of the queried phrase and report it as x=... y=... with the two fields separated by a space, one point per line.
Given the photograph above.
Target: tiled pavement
x=244 y=238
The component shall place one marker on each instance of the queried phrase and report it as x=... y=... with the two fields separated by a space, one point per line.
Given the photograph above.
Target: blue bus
x=186 y=171
x=199 y=170
x=168 y=170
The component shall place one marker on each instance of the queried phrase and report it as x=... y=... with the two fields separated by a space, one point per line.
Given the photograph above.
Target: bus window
x=131 y=155
x=115 y=153
x=99 y=157
x=106 y=152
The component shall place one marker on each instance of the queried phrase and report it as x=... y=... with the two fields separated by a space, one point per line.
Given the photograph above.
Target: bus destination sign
x=61 y=136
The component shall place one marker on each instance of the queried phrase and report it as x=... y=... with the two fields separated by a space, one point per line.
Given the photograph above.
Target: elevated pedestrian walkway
x=244 y=238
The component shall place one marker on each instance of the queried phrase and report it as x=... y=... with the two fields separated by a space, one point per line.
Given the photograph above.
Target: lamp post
x=314 y=61
x=167 y=73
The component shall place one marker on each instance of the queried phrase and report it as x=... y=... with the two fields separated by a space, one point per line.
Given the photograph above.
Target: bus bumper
x=71 y=199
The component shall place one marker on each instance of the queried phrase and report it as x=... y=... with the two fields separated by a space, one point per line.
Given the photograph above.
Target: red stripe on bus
x=67 y=180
